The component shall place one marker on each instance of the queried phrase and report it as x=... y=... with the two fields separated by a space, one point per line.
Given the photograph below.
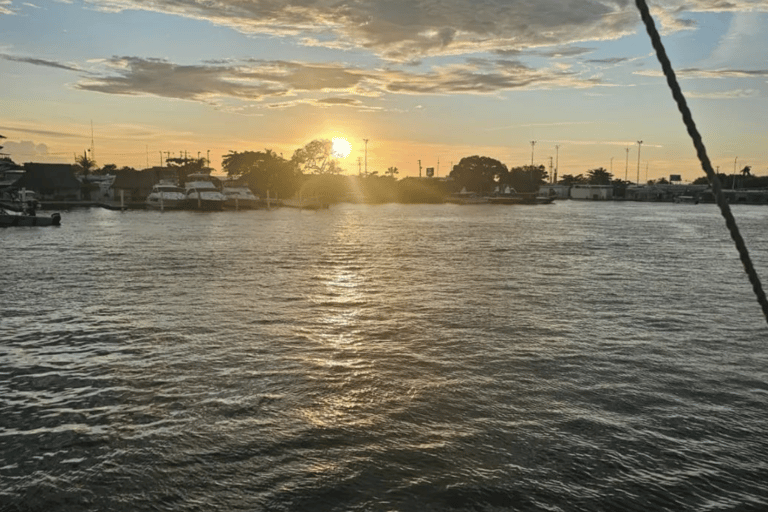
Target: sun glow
x=340 y=147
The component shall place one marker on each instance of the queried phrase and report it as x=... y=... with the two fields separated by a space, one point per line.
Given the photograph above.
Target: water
x=575 y=356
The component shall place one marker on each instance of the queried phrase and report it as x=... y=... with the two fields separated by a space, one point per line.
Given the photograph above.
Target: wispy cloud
x=709 y=73
x=40 y=62
x=725 y=95
x=5 y=7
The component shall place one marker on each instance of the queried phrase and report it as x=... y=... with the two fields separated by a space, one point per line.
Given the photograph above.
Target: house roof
x=48 y=176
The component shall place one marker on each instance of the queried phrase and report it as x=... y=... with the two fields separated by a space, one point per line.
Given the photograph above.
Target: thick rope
x=701 y=151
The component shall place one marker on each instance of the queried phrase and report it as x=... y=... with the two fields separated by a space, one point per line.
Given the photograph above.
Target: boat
x=27 y=217
x=511 y=196
x=202 y=194
x=465 y=197
x=166 y=196
x=240 y=197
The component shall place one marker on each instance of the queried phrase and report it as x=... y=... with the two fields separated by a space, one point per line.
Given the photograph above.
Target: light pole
x=626 y=165
x=366 y=156
x=639 y=145
x=533 y=144
x=557 y=162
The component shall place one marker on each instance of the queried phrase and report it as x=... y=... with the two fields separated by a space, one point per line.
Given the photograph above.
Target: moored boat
x=202 y=194
x=240 y=197
x=9 y=218
x=166 y=195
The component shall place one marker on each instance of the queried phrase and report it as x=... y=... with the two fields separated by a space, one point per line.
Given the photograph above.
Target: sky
x=569 y=84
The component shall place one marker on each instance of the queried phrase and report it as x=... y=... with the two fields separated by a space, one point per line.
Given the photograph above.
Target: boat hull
x=205 y=205
x=30 y=220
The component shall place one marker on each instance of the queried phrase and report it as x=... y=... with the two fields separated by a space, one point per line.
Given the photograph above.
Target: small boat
x=240 y=197
x=202 y=194
x=166 y=195
x=465 y=197
x=27 y=218
x=511 y=196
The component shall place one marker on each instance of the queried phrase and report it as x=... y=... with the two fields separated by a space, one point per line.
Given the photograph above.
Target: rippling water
x=575 y=356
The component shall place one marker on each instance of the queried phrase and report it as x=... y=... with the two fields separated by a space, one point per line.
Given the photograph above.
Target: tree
x=527 y=178
x=478 y=174
x=316 y=158
x=392 y=171
x=185 y=166
x=569 y=179
x=106 y=169
x=85 y=163
x=599 y=176
x=263 y=171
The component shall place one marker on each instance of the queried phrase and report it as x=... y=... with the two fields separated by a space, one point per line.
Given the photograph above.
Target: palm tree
x=85 y=163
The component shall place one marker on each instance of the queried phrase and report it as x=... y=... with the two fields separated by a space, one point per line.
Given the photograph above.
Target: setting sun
x=341 y=147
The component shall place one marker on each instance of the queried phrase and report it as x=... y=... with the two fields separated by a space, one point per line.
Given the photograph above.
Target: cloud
x=406 y=30
x=26 y=150
x=309 y=83
x=409 y=30
x=709 y=73
x=725 y=95
x=5 y=7
x=610 y=60
x=40 y=62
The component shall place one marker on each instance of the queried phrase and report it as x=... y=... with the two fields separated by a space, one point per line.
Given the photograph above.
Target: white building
x=592 y=192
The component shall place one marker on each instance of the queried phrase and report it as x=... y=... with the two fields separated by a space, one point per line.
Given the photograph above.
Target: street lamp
x=533 y=144
x=366 y=156
x=639 y=145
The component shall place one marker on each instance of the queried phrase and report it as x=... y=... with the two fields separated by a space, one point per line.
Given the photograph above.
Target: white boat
x=240 y=197
x=201 y=193
x=166 y=196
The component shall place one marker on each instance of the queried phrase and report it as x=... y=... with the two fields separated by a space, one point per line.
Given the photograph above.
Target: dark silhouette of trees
x=85 y=164
x=527 y=178
x=599 y=176
x=185 y=166
x=392 y=171
x=478 y=174
x=263 y=171
x=316 y=158
x=570 y=179
x=106 y=169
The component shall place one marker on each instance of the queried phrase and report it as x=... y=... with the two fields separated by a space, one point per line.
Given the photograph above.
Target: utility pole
x=438 y=166
x=359 y=166
x=533 y=144
x=639 y=146
x=366 y=156
x=419 y=168
x=626 y=165
x=557 y=162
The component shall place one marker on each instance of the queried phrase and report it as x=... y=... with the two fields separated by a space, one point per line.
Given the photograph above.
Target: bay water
x=573 y=356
